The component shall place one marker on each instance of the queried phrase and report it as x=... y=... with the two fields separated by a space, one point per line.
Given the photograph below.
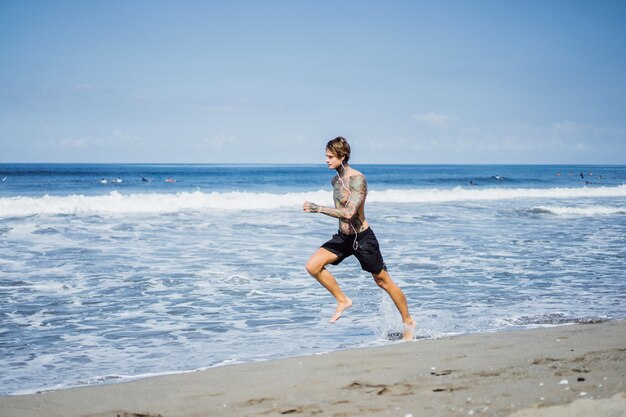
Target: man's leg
x=385 y=282
x=316 y=266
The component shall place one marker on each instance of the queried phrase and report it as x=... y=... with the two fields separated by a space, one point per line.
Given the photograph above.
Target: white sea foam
x=586 y=211
x=490 y=194
x=116 y=202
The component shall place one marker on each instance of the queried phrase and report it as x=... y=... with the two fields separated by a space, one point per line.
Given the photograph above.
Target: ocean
x=115 y=272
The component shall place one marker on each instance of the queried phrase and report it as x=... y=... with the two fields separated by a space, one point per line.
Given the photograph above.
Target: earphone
x=355 y=244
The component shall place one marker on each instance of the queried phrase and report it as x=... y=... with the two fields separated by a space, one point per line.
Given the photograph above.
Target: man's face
x=332 y=161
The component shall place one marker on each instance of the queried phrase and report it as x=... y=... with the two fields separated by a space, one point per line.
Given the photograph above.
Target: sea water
x=114 y=272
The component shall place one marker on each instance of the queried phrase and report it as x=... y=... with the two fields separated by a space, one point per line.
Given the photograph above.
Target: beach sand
x=576 y=370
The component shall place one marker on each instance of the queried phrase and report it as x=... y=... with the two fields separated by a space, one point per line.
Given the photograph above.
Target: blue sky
x=272 y=81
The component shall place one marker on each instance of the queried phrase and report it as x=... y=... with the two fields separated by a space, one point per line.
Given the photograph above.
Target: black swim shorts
x=367 y=251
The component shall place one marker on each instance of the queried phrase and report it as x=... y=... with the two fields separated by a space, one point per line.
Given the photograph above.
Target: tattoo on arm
x=315 y=208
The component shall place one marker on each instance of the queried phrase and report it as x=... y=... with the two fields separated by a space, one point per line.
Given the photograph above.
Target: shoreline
x=540 y=372
x=392 y=337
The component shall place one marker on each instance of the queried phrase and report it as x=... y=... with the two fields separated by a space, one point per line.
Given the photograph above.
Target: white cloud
x=434 y=120
x=504 y=142
x=218 y=142
x=569 y=127
x=117 y=138
x=119 y=135
x=84 y=87
x=514 y=144
x=399 y=143
x=63 y=143
x=69 y=143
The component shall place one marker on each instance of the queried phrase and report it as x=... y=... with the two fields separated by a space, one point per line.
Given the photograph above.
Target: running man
x=354 y=236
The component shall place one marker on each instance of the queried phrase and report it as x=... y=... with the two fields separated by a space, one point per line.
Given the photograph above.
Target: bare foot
x=409 y=330
x=341 y=306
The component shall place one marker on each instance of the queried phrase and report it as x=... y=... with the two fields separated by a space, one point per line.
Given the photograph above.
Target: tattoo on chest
x=350 y=195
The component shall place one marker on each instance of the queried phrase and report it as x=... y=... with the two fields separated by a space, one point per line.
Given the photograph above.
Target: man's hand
x=309 y=207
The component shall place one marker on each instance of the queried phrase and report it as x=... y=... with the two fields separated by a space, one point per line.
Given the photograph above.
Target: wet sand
x=577 y=370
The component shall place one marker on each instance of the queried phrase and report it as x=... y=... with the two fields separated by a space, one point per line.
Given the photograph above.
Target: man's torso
x=352 y=187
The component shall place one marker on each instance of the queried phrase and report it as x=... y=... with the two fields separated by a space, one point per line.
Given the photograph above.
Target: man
x=354 y=236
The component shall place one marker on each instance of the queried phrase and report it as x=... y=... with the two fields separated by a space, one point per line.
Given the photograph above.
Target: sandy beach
x=575 y=370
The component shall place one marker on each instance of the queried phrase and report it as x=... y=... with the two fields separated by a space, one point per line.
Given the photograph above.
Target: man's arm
x=358 y=191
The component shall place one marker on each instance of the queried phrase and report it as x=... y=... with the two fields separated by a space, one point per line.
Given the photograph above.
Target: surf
x=582 y=211
x=138 y=203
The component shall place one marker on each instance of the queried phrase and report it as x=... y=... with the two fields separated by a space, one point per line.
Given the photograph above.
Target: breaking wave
x=116 y=202
x=586 y=211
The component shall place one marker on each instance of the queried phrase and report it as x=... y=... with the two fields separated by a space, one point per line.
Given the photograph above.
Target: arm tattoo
x=315 y=208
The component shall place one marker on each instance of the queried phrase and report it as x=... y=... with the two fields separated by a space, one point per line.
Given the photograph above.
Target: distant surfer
x=354 y=237
x=170 y=180
x=103 y=181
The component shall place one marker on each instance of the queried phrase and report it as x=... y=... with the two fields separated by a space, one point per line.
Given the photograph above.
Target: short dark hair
x=339 y=147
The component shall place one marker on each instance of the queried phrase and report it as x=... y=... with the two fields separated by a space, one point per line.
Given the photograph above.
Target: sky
x=409 y=82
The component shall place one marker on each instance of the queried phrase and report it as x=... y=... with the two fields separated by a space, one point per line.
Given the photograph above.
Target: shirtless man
x=354 y=236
